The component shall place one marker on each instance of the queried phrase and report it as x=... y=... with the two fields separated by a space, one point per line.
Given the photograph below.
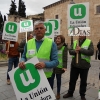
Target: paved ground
x=7 y=93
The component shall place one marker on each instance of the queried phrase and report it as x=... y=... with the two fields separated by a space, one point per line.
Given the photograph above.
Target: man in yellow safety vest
x=84 y=51
x=42 y=47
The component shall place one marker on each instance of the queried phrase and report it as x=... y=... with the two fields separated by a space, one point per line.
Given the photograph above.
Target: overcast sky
x=32 y=6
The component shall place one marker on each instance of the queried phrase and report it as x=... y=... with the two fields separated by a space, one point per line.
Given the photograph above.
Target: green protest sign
x=26 y=26
x=78 y=15
x=11 y=28
x=28 y=84
x=78 y=11
x=52 y=27
x=56 y=24
x=10 y=31
x=25 y=79
x=26 y=23
x=49 y=29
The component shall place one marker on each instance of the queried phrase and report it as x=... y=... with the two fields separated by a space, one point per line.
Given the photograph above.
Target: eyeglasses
x=39 y=28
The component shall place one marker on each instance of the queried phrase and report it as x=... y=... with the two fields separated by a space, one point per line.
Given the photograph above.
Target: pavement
x=7 y=92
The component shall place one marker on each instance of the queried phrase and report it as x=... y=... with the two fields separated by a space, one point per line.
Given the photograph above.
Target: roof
x=54 y=4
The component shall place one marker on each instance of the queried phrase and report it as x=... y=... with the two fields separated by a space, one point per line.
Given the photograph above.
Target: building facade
x=58 y=10
x=36 y=17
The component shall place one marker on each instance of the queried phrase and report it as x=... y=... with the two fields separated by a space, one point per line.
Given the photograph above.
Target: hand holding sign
x=22 y=65
x=40 y=65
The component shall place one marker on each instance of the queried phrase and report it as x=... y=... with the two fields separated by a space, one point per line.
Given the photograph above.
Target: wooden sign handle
x=26 y=37
x=8 y=47
x=77 y=53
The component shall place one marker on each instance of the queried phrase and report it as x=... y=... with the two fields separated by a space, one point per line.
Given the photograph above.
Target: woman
x=62 y=67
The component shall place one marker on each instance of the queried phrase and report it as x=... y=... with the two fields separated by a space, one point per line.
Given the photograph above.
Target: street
x=7 y=92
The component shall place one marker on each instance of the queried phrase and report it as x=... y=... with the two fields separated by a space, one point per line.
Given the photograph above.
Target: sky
x=32 y=6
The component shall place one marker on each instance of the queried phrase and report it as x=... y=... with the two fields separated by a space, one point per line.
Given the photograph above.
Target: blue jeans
x=58 y=77
x=12 y=61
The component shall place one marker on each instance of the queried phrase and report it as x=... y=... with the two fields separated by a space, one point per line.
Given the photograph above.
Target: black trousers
x=50 y=81
x=74 y=74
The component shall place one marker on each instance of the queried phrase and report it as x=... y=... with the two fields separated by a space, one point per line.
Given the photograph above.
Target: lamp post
x=72 y=2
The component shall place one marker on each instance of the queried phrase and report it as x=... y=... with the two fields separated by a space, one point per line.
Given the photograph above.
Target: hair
x=62 y=38
x=39 y=22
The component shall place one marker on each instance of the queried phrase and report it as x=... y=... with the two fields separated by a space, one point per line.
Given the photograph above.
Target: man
x=23 y=42
x=85 y=50
x=42 y=47
x=13 y=56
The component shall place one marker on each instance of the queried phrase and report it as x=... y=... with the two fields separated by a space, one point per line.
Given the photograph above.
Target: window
x=98 y=9
x=56 y=16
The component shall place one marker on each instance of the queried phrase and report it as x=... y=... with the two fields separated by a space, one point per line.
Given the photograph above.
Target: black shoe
x=83 y=98
x=67 y=95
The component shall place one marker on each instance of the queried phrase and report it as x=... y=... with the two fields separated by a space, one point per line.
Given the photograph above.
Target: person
x=44 y=48
x=23 y=42
x=85 y=50
x=62 y=67
x=13 y=56
x=98 y=46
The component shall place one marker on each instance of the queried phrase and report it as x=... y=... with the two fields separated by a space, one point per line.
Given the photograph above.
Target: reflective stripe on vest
x=85 y=45
x=60 y=53
x=43 y=53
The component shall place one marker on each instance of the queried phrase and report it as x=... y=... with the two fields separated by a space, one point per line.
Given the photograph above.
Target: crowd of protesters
x=54 y=60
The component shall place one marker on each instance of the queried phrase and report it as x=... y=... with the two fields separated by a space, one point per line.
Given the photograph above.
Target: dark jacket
x=21 y=46
x=82 y=64
x=98 y=46
x=64 y=57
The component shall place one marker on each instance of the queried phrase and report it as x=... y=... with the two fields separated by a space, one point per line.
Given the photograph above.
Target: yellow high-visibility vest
x=43 y=53
x=85 y=45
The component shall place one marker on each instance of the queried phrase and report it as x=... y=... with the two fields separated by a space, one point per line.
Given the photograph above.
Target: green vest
x=85 y=45
x=43 y=53
x=60 y=59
